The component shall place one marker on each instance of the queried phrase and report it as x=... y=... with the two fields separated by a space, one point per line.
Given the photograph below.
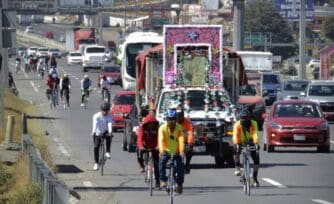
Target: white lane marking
x=87 y=184
x=332 y=141
x=76 y=78
x=275 y=183
x=25 y=74
x=321 y=201
x=73 y=200
x=62 y=148
x=34 y=86
x=30 y=101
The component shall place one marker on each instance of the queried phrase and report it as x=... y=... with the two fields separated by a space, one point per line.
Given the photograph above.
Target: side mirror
x=264 y=115
x=265 y=93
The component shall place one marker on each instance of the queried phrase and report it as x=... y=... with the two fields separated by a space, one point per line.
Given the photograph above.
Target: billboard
x=210 y=4
x=290 y=9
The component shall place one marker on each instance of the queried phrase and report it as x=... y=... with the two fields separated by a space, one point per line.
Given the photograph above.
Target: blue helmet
x=171 y=114
x=244 y=114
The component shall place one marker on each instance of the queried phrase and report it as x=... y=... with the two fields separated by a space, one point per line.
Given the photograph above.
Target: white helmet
x=86 y=76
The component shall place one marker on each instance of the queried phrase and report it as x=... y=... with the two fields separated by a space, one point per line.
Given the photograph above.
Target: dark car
x=130 y=130
x=296 y=123
x=113 y=74
x=48 y=34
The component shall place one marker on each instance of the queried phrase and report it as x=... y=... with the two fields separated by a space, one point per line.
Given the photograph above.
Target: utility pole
x=302 y=40
x=2 y=67
x=238 y=20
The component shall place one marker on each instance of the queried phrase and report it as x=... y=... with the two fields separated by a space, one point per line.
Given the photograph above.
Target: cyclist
x=189 y=136
x=11 y=83
x=147 y=138
x=54 y=72
x=65 y=84
x=105 y=87
x=41 y=67
x=171 y=141
x=245 y=132
x=17 y=64
x=53 y=62
x=51 y=84
x=102 y=127
x=86 y=86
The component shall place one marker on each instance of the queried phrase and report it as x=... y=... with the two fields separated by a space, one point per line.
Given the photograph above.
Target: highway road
x=297 y=176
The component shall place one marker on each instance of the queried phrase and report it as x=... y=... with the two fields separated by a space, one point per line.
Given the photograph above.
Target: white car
x=54 y=52
x=74 y=58
x=42 y=52
x=32 y=51
x=314 y=63
x=29 y=29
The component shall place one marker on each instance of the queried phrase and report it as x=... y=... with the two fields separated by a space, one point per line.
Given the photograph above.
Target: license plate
x=299 y=137
x=199 y=149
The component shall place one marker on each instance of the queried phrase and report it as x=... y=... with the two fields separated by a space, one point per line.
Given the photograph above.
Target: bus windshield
x=131 y=53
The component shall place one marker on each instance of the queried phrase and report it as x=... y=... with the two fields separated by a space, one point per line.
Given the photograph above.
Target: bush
x=32 y=194
x=4 y=177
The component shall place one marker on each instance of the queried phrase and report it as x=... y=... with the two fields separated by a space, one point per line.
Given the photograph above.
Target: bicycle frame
x=102 y=151
x=53 y=98
x=149 y=169
x=246 y=172
x=171 y=178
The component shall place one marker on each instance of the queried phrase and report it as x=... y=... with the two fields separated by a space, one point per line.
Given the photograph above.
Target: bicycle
x=246 y=174
x=149 y=169
x=171 y=182
x=53 y=98
x=105 y=95
x=102 y=152
x=85 y=93
x=66 y=94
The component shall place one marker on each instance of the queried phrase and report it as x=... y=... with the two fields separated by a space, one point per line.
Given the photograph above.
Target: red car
x=48 y=34
x=113 y=74
x=122 y=103
x=296 y=123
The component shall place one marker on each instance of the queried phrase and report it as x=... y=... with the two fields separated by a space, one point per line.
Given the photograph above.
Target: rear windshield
x=295 y=86
x=111 y=69
x=54 y=50
x=321 y=90
x=76 y=54
x=125 y=99
x=95 y=50
x=297 y=110
x=270 y=79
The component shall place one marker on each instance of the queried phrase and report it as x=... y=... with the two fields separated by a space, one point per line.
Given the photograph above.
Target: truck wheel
x=84 y=69
x=219 y=161
x=264 y=147
x=323 y=149
x=124 y=144
x=270 y=148
x=130 y=145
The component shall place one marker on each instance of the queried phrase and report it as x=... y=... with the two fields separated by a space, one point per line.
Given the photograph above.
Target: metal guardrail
x=54 y=190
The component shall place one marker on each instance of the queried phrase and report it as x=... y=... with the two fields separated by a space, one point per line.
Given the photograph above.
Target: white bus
x=134 y=43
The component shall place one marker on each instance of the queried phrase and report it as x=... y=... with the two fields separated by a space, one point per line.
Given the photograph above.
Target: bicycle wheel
x=172 y=185
x=150 y=169
x=102 y=155
x=247 y=177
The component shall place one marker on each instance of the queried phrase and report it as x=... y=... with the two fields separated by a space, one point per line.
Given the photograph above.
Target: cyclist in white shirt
x=102 y=127
x=105 y=86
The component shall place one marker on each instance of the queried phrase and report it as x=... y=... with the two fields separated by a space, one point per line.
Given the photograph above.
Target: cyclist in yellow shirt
x=171 y=142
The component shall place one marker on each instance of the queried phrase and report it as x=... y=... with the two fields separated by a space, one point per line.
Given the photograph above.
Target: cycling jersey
x=147 y=136
x=171 y=142
x=85 y=84
x=188 y=131
x=65 y=83
x=241 y=135
x=104 y=84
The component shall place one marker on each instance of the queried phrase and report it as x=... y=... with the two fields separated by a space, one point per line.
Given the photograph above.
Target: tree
x=328 y=28
x=261 y=16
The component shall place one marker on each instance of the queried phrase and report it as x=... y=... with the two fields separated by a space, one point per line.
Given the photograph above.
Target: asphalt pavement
x=289 y=175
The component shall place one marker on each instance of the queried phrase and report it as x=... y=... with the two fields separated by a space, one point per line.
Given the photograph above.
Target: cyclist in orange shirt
x=188 y=137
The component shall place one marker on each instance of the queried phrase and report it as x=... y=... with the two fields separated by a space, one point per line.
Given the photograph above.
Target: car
x=296 y=123
x=111 y=45
x=131 y=126
x=32 y=51
x=29 y=29
x=291 y=89
x=20 y=51
x=108 y=56
x=122 y=102
x=257 y=104
x=62 y=38
x=322 y=92
x=113 y=74
x=314 y=63
x=74 y=58
x=54 y=52
x=271 y=83
x=42 y=52
x=48 y=34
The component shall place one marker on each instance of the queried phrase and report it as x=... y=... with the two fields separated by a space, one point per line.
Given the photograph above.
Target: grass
x=15 y=184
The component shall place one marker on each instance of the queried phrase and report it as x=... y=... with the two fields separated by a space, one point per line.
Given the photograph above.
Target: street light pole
x=238 y=18
x=302 y=40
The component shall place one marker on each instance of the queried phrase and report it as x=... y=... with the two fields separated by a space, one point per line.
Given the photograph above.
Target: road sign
x=290 y=9
x=259 y=39
x=159 y=22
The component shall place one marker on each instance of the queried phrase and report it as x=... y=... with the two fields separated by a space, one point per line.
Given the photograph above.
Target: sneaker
x=237 y=171
x=179 y=189
x=255 y=183
x=163 y=184
x=108 y=155
x=187 y=169
x=141 y=169
x=157 y=184
x=96 y=167
x=82 y=104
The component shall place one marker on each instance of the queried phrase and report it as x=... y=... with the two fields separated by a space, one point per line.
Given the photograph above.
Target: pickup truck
x=93 y=56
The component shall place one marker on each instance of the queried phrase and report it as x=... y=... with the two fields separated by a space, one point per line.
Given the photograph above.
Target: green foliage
x=4 y=178
x=328 y=28
x=261 y=16
x=32 y=194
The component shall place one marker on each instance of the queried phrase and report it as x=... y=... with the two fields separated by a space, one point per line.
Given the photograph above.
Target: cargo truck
x=77 y=38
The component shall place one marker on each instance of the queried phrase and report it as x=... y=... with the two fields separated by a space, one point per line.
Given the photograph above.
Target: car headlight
x=323 y=126
x=275 y=126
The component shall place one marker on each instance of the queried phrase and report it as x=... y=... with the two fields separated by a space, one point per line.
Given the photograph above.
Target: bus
x=135 y=43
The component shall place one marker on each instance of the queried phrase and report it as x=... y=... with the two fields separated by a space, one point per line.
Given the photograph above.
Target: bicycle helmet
x=171 y=114
x=65 y=75
x=86 y=76
x=105 y=107
x=244 y=115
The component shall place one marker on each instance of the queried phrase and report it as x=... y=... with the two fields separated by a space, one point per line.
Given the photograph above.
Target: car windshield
x=95 y=50
x=33 y=48
x=125 y=99
x=321 y=90
x=295 y=85
x=297 y=110
x=43 y=49
x=195 y=98
x=270 y=79
x=111 y=69
x=76 y=54
x=54 y=50
x=248 y=90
